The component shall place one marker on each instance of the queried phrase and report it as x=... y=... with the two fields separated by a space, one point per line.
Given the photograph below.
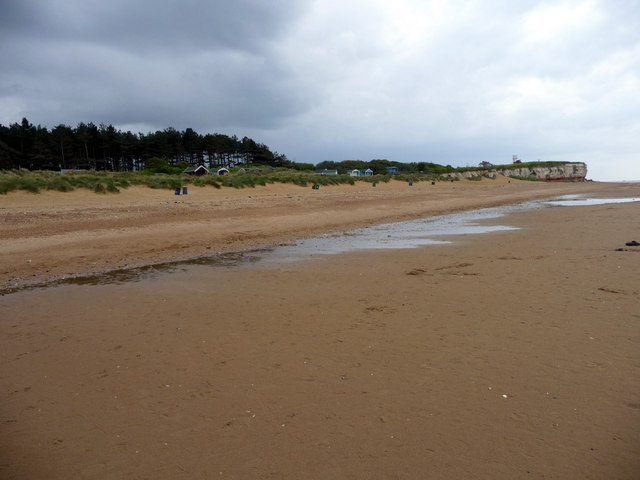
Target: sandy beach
x=54 y=235
x=505 y=355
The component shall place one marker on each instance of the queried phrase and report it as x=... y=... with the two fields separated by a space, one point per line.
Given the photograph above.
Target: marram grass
x=113 y=182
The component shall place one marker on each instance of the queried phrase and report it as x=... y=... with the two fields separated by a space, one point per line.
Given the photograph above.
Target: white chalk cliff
x=573 y=171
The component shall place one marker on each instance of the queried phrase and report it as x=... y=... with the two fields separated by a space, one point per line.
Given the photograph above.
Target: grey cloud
x=163 y=25
x=184 y=63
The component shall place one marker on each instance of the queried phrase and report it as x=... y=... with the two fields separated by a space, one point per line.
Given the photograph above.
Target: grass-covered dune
x=112 y=182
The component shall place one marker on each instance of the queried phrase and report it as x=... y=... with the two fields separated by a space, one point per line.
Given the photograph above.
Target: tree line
x=103 y=147
x=381 y=166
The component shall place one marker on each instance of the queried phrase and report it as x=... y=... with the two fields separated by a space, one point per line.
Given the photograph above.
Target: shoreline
x=53 y=235
x=235 y=258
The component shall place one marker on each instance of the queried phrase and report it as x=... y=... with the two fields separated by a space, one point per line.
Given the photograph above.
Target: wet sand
x=53 y=235
x=504 y=355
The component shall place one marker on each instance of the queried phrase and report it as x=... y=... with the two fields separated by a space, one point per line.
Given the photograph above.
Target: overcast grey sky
x=453 y=82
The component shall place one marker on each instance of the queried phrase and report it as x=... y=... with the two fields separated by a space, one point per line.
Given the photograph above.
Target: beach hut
x=222 y=171
x=197 y=171
x=392 y=170
x=361 y=173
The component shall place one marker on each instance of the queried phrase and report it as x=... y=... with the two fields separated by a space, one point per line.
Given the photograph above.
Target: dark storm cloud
x=159 y=25
x=151 y=63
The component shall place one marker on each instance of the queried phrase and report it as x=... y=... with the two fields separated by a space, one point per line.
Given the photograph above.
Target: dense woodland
x=103 y=147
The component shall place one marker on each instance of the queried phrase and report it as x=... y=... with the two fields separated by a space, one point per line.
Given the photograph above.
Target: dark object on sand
x=632 y=243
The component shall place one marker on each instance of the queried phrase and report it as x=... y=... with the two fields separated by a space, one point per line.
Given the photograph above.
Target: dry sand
x=504 y=355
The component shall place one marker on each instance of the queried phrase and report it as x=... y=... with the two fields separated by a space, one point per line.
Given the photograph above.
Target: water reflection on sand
x=434 y=230
x=580 y=201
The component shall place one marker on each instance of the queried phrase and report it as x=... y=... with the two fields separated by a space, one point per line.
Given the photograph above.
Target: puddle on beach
x=410 y=234
x=580 y=201
x=399 y=235
x=147 y=272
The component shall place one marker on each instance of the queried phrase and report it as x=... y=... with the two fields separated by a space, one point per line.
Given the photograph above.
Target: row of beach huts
x=356 y=172
x=202 y=170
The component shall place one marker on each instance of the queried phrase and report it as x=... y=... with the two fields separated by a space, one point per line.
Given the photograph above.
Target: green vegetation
x=381 y=166
x=159 y=165
x=104 y=148
x=99 y=182
x=112 y=182
x=510 y=166
x=161 y=158
x=161 y=175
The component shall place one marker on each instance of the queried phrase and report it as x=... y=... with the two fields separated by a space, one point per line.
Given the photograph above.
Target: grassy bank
x=112 y=182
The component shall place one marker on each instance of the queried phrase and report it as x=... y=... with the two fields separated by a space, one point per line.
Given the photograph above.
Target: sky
x=452 y=82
